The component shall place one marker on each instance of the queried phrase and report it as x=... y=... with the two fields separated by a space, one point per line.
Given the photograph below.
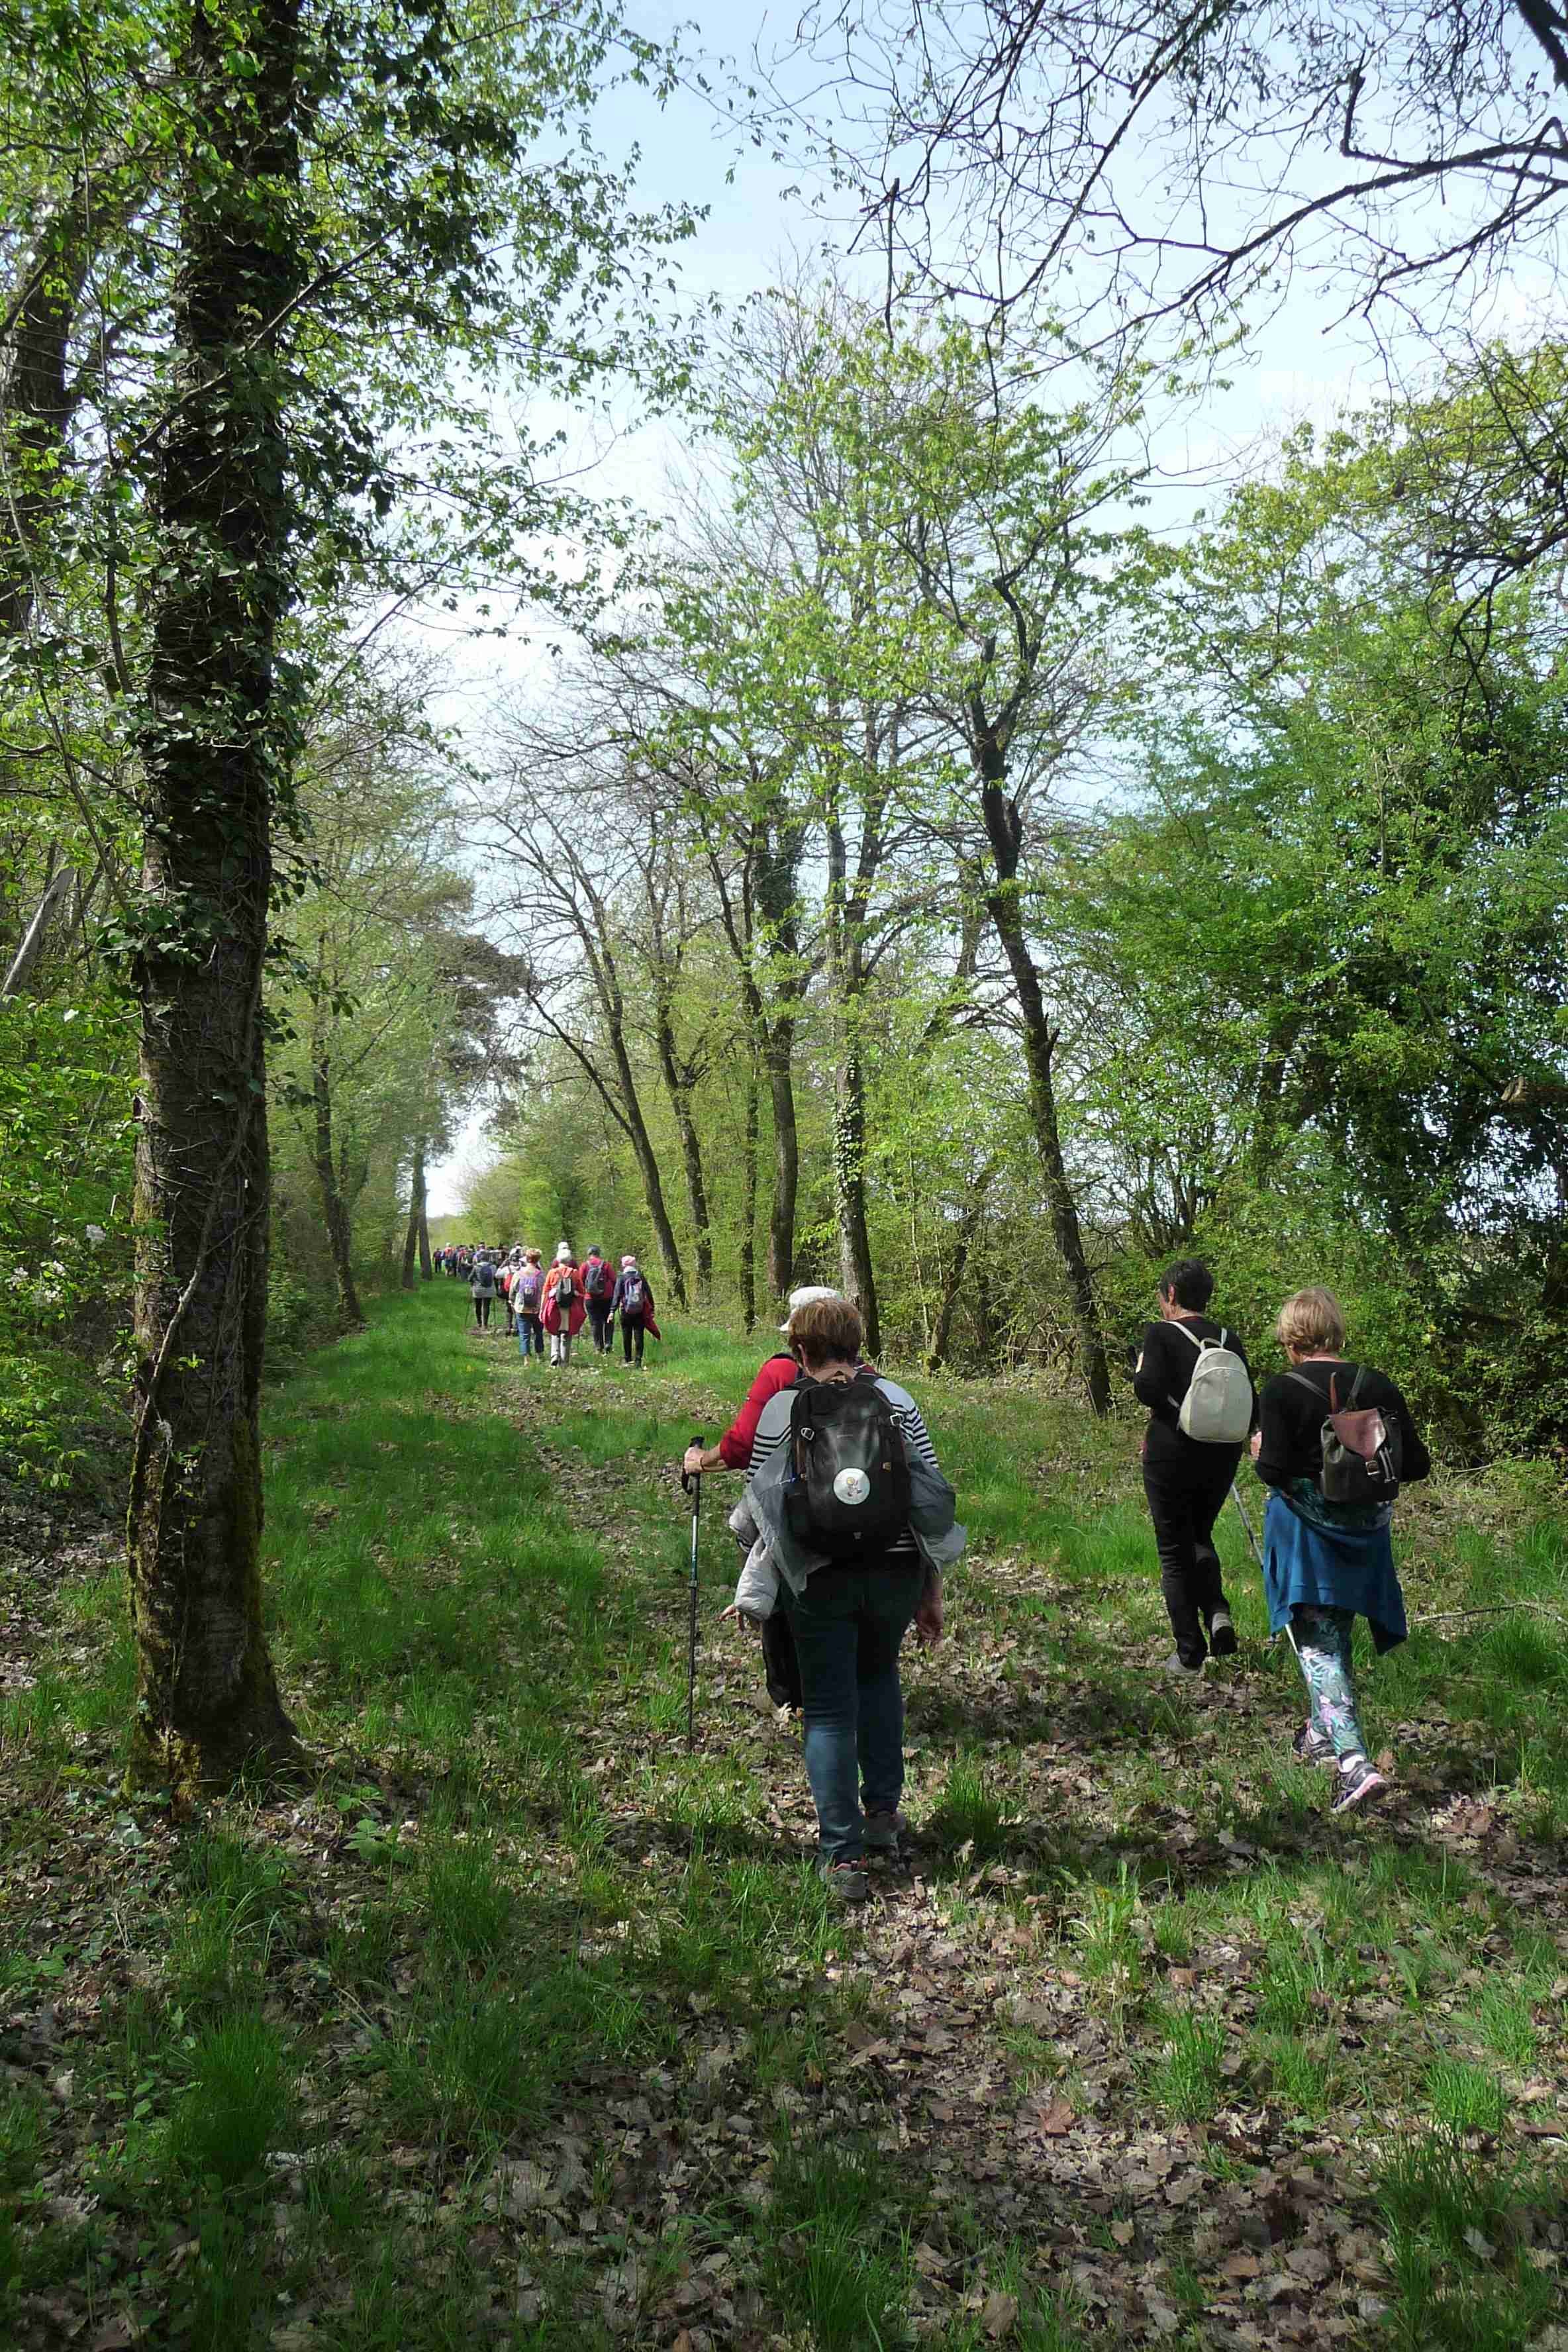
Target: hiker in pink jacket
x=564 y=1312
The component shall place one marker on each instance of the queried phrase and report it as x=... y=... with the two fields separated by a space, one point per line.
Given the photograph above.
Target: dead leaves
x=999 y=2316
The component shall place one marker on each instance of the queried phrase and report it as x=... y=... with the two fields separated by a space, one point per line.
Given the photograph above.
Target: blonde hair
x=825 y=1329
x=1310 y=1320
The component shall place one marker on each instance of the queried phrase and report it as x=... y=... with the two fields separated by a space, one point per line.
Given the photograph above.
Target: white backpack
x=1218 y=1407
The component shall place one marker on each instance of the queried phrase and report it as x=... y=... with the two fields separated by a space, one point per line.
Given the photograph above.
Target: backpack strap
x=1313 y=1390
x=1199 y=1344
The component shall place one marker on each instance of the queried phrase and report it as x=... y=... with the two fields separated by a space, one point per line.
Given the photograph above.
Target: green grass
x=524 y=2025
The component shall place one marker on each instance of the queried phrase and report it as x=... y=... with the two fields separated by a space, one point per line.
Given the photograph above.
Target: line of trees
x=938 y=884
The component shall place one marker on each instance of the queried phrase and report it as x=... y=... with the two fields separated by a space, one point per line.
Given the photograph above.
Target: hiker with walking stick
x=734 y=1451
x=1193 y=1375
x=855 y=1519
x=1335 y=1443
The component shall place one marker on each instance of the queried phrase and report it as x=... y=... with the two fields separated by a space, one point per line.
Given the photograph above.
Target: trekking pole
x=691 y=1483
x=1258 y=1556
x=1246 y=1523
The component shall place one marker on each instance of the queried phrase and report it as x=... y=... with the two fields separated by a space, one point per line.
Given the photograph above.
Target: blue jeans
x=530 y=1336
x=847 y=1626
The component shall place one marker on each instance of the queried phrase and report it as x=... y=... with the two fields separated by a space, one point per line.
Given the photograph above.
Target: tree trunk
x=937 y=1355
x=985 y=1325
x=38 y=385
x=846 y=921
x=213 y=742
x=776 y=855
x=768 y=924
x=748 y=1250
x=417 y=1239
x=25 y=961
x=334 y=1207
x=678 y=1085
x=1004 y=831
x=646 y=1157
x=849 y=1190
x=778 y=1052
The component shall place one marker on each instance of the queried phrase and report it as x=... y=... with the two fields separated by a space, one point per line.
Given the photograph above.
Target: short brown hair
x=1312 y=1319
x=826 y=1328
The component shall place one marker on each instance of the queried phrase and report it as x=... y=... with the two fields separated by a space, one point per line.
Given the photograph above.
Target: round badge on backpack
x=851 y=1486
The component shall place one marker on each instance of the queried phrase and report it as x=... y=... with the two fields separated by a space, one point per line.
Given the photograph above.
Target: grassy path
x=524 y=2028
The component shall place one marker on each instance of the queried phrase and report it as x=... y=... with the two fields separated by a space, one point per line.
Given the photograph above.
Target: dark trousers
x=482 y=1314
x=599 y=1317
x=632 y=1329
x=781 y=1665
x=1186 y=1495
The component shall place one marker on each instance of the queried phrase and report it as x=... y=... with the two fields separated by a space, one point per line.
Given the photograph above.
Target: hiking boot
x=1176 y=1664
x=844 y=1881
x=1222 y=1635
x=1356 y=1781
x=885 y=1825
x=1312 y=1746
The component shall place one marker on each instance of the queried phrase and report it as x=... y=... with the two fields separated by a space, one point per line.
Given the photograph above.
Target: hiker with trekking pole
x=1335 y=1443
x=734 y=1451
x=854 y=1524
x=1192 y=1373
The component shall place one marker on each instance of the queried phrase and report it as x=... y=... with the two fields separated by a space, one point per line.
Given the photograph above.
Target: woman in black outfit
x=1186 y=1481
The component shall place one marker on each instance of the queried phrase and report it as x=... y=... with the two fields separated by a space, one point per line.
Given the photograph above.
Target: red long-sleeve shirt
x=735 y=1445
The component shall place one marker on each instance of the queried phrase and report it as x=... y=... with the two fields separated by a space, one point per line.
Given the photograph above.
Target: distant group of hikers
x=555 y=1303
x=848 y=1523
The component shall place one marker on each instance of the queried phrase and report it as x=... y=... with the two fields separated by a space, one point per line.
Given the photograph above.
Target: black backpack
x=849 y=1496
x=597 y=1280
x=1361 y=1449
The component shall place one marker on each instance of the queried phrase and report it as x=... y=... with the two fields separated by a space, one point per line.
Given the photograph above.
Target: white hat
x=809 y=1297
x=563 y=1252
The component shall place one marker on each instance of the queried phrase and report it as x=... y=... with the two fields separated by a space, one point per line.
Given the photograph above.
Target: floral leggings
x=1321 y=1640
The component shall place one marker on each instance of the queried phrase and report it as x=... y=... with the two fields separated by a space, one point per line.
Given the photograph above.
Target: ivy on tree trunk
x=216 y=745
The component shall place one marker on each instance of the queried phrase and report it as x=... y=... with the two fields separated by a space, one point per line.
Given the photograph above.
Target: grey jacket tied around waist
x=938 y=1537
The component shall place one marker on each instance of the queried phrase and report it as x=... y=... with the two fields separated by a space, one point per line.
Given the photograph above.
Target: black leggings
x=631 y=1327
x=599 y=1317
x=1185 y=1497
x=482 y=1314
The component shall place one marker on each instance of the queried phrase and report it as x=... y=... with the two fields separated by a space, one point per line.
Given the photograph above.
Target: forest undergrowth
x=520 y=2025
